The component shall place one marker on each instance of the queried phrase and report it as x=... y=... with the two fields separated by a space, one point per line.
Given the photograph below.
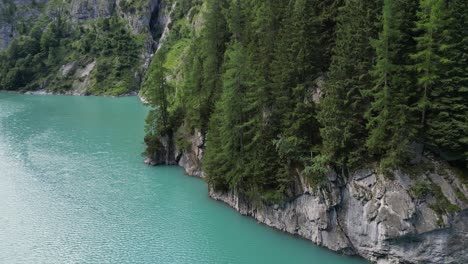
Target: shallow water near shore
x=74 y=189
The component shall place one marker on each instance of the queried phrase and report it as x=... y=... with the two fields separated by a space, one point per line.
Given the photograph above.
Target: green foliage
x=7 y=11
x=441 y=204
x=342 y=109
x=213 y=40
x=316 y=170
x=203 y=62
x=183 y=144
x=132 y=6
x=432 y=20
x=461 y=196
x=420 y=190
x=440 y=64
x=158 y=122
x=117 y=56
x=250 y=81
x=390 y=123
x=34 y=60
x=416 y=170
x=234 y=127
x=264 y=124
x=152 y=142
x=29 y=58
x=174 y=55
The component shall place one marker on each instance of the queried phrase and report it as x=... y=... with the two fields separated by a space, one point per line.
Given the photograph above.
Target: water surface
x=73 y=189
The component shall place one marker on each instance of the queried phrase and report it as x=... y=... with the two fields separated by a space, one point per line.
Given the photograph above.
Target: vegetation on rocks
x=51 y=43
x=282 y=89
x=279 y=90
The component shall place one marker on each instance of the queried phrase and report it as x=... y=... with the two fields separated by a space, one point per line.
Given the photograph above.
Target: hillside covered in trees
x=79 y=46
x=282 y=88
x=341 y=121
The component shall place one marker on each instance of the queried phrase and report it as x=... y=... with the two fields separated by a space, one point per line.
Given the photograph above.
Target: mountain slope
x=78 y=46
x=320 y=119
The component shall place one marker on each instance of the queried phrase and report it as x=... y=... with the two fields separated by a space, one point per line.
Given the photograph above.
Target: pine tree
x=193 y=86
x=213 y=43
x=265 y=21
x=297 y=56
x=342 y=109
x=429 y=58
x=158 y=122
x=447 y=118
x=229 y=151
x=327 y=11
x=225 y=159
x=389 y=115
x=156 y=90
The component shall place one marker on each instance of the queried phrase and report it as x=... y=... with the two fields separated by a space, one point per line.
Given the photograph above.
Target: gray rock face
x=21 y=3
x=375 y=218
x=6 y=35
x=191 y=160
x=139 y=20
x=165 y=155
x=86 y=10
x=367 y=214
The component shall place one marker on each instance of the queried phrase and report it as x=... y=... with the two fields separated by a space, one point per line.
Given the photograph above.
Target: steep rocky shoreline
x=420 y=218
x=365 y=214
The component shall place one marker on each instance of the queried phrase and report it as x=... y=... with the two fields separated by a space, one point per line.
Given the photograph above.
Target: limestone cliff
x=415 y=217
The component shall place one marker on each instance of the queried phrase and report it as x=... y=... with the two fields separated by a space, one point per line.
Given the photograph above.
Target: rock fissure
x=154 y=23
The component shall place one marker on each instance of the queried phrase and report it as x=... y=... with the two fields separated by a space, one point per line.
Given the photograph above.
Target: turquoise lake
x=74 y=189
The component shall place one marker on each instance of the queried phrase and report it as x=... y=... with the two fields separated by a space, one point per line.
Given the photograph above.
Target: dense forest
x=344 y=122
x=51 y=51
x=277 y=88
x=282 y=88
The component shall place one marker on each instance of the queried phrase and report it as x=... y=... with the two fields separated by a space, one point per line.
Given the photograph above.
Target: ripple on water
x=73 y=189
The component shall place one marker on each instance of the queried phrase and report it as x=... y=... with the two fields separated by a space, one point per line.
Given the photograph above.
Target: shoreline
x=44 y=92
x=345 y=220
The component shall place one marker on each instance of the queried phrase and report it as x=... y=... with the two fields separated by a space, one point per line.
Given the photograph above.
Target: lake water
x=73 y=189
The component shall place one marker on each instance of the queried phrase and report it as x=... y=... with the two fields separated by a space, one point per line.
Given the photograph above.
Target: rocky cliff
x=418 y=216
x=13 y=12
x=77 y=67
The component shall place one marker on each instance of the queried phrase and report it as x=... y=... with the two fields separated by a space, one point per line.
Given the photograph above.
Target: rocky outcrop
x=6 y=35
x=190 y=159
x=370 y=216
x=386 y=224
x=81 y=76
x=164 y=22
x=366 y=214
x=86 y=10
x=141 y=18
x=165 y=153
